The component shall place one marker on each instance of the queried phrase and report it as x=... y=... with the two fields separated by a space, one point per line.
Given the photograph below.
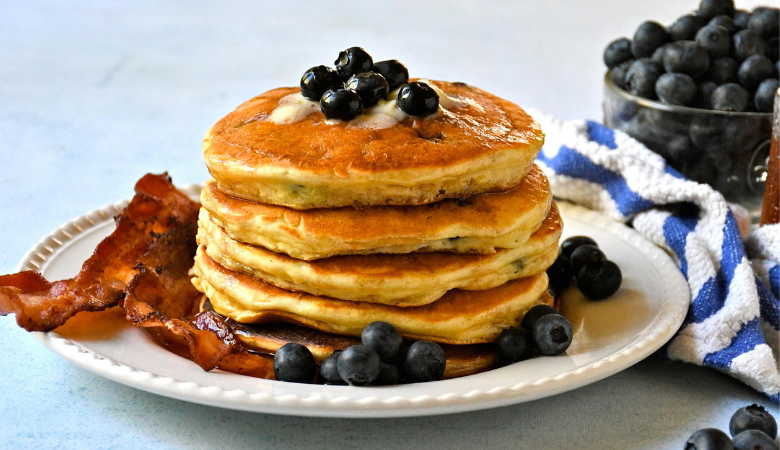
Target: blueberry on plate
x=754 y=440
x=676 y=89
x=598 y=280
x=685 y=27
x=370 y=86
x=317 y=80
x=552 y=334
x=711 y=8
x=722 y=71
x=534 y=314
x=715 y=39
x=686 y=57
x=729 y=97
x=747 y=43
x=560 y=274
x=513 y=345
x=340 y=103
x=741 y=19
x=389 y=375
x=294 y=363
x=753 y=417
x=617 y=52
x=765 y=95
x=618 y=74
x=383 y=338
x=754 y=70
x=583 y=255
x=724 y=21
x=765 y=21
x=641 y=78
x=418 y=99
x=394 y=72
x=648 y=37
x=709 y=439
x=424 y=361
x=352 y=61
x=359 y=365
x=570 y=244
x=329 y=370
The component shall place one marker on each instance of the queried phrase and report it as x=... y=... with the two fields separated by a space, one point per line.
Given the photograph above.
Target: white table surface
x=95 y=94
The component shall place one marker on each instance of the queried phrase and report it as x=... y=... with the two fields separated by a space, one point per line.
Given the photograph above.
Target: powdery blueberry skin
x=715 y=39
x=765 y=95
x=730 y=97
x=754 y=70
x=648 y=37
x=685 y=27
x=676 y=89
x=618 y=52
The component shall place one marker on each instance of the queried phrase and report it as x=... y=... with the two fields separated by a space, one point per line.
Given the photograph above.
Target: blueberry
x=370 y=86
x=754 y=70
x=715 y=39
x=686 y=57
x=711 y=8
x=658 y=54
x=754 y=440
x=730 y=97
x=424 y=361
x=383 y=338
x=570 y=244
x=389 y=374
x=618 y=74
x=418 y=99
x=648 y=37
x=535 y=313
x=560 y=274
x=773 y=48
x=753 y=417
x=598 y=280
x=724 y=21
x=641 y=78
x=765 y=95
x=359 y=365
x=394 y=72
x=682 y=150
x=685 y=27
x=552 y=334
x=617 y=52
x=722 y=71
x=709 y=439
x=352 y=61
x=340 y=103
x=583 y=255
x=741 y=19
x=317 y=80
x=746 y=43
x=675 y=89
x=294 y=363
x=513 y=345
x=765 y=21
x=329 y=370
x=704 y=90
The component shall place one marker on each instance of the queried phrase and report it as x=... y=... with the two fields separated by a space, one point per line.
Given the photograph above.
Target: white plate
x=609 y=336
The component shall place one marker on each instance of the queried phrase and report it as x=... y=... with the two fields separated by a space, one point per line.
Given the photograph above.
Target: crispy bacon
x=42 y=306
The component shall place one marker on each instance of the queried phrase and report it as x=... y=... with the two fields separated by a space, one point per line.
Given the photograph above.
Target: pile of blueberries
x=543 y=328
x=357 y=83
x=751 y=427
x=581 y=260
x=375 y=362
x=715 y=58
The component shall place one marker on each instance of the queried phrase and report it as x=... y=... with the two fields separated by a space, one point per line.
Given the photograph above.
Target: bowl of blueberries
x=700 y=93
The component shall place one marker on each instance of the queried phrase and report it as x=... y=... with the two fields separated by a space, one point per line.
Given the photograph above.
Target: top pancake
x=480 y=144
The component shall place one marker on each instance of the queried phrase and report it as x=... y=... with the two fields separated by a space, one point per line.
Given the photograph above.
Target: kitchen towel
x=733 y=323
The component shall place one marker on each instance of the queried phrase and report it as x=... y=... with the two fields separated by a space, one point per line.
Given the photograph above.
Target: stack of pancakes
x=441 y=226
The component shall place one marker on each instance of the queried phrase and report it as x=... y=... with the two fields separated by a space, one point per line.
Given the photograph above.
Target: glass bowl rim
x=676 y=108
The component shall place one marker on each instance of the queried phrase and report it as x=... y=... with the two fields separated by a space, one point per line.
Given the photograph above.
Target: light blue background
x=95 y=94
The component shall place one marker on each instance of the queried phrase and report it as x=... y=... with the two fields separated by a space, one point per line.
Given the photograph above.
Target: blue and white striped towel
x=733 y=323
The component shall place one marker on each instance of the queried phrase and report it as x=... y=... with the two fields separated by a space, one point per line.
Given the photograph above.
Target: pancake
x=459 y=317
x=480 y=224
x=480 y=143
x=411 y=279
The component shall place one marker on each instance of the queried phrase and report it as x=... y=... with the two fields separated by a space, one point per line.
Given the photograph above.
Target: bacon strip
x=42 y=306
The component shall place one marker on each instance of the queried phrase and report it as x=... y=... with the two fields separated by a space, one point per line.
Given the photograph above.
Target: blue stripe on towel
x=746 y=340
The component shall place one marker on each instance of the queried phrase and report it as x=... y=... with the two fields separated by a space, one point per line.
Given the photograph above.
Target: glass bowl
x=727 y=150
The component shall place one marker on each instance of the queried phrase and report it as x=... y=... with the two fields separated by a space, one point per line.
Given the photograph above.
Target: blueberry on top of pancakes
x=352 y=61
x=394 y=72
x=370 y=86
x=317 y=80
x=418 y=99
x=340 y=103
